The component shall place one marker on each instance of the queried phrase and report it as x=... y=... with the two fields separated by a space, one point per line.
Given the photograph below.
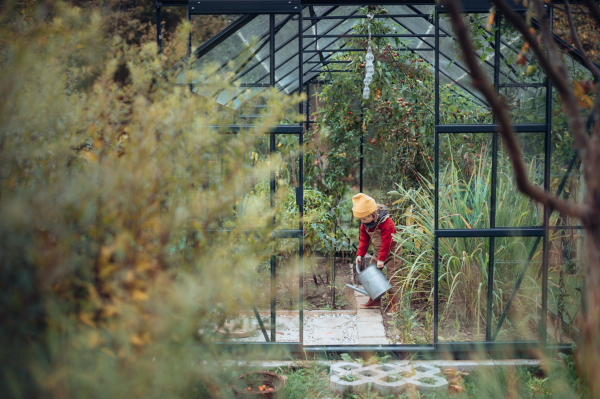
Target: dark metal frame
x=294 y=8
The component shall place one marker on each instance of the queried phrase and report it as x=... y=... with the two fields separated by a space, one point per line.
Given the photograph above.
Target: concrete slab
x=360 y=300
x=373 y=315
x=370 y=329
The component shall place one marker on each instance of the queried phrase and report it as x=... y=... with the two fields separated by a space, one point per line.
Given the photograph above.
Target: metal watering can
x=374 y=282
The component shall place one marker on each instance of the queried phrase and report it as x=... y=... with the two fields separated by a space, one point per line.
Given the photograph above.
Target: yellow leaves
x=579 y=90
x=139 y=339
x=89 y=156
x=490 y=21
x=139 y=295
x=93 y=339
x=87 y=318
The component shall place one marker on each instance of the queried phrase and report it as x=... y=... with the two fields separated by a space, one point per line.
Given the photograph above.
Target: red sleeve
x=387 y=229
x=364 y=242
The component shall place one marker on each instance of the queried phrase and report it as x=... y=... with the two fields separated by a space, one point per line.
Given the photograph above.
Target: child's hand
x=358 y=259
x=380 y=264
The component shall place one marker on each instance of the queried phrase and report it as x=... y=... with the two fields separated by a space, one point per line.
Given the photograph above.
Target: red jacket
x=387 y=229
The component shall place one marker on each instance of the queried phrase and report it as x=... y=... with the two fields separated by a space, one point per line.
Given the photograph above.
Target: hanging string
x=369 y=68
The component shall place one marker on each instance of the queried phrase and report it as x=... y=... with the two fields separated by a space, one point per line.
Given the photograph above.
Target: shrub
x=112 y=271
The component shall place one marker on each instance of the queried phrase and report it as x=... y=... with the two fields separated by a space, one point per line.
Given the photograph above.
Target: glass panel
x=566 y=277
x=511 y=256
x=525 y=104
x=463 y=269
x=513 y=208
x=205 y=27
x=464 y=180
x=513 y=72
x=243 y=326
x=287 y=178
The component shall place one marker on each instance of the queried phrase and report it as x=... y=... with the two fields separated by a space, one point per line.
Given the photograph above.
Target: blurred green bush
x=114 y=267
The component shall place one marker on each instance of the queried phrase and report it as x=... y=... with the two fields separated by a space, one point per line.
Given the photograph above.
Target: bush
x=112 y=274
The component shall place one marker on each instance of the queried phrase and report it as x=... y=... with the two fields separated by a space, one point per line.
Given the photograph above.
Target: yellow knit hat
x=363 y=205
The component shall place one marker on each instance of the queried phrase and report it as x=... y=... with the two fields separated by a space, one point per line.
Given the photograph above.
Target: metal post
x=547 y=210
x=362 y=150
x=301 y=178
x=158 y=31
x=436 y=149
x=492 y=242
x=189 y=44
x=272 y=182
x=334 y=256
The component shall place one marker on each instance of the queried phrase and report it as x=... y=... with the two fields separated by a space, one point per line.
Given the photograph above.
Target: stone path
x=369 y=323
x=363 y=327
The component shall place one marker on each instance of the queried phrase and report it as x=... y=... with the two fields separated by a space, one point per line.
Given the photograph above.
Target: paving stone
x=339 y=386
x=369 y=315
x=439 y=384
x=427 y=369
x=370 y=329
x=342 y=367
x=385 y=386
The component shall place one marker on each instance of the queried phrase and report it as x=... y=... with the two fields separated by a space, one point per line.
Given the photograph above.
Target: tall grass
x=463 y=262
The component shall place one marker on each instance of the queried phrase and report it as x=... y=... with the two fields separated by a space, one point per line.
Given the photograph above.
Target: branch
x=594 y=11
x=558 y=75
x=506 y=129
x=578 y=45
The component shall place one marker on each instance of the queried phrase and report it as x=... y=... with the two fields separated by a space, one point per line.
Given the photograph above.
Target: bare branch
x=506 y=130
x=578 y=44
x=557 y=75
x=594 y=11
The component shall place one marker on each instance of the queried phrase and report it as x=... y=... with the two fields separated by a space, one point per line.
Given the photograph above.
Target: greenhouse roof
x=244 y=46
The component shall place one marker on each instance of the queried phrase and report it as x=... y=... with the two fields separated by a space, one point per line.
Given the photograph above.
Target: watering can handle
x=357 y=271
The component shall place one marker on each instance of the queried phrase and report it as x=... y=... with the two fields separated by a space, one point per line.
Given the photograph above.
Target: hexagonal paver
x=344 y=367
x=427 y=369
x=388 y=379
x=391 y=384
x=428 y=382
x=340 y=386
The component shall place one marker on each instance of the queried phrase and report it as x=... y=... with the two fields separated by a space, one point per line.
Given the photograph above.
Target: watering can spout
x=358 y=289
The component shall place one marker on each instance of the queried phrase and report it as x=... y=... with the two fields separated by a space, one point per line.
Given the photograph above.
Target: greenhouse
x=484 y=268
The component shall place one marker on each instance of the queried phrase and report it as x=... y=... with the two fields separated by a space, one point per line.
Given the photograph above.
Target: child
x=377 y=228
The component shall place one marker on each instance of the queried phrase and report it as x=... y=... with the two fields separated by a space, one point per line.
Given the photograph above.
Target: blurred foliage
x=586 y=27
x=114 y=268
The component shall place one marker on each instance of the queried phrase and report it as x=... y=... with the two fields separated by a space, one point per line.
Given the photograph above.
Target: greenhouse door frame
x=436 y=348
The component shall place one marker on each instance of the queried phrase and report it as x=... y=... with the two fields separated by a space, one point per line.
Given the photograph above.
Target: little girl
x=377 y=228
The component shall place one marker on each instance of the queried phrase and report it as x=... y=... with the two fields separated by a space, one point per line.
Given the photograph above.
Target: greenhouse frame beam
x=541 y=233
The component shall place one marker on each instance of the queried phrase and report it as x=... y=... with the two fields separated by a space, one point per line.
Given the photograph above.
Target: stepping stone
x=370 y=329
x=373 y=315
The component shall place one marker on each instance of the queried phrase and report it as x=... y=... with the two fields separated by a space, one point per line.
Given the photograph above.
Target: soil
x=317 y=296
x=320 y=296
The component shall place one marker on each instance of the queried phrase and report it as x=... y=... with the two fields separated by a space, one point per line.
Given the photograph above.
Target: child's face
x=368 y=219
